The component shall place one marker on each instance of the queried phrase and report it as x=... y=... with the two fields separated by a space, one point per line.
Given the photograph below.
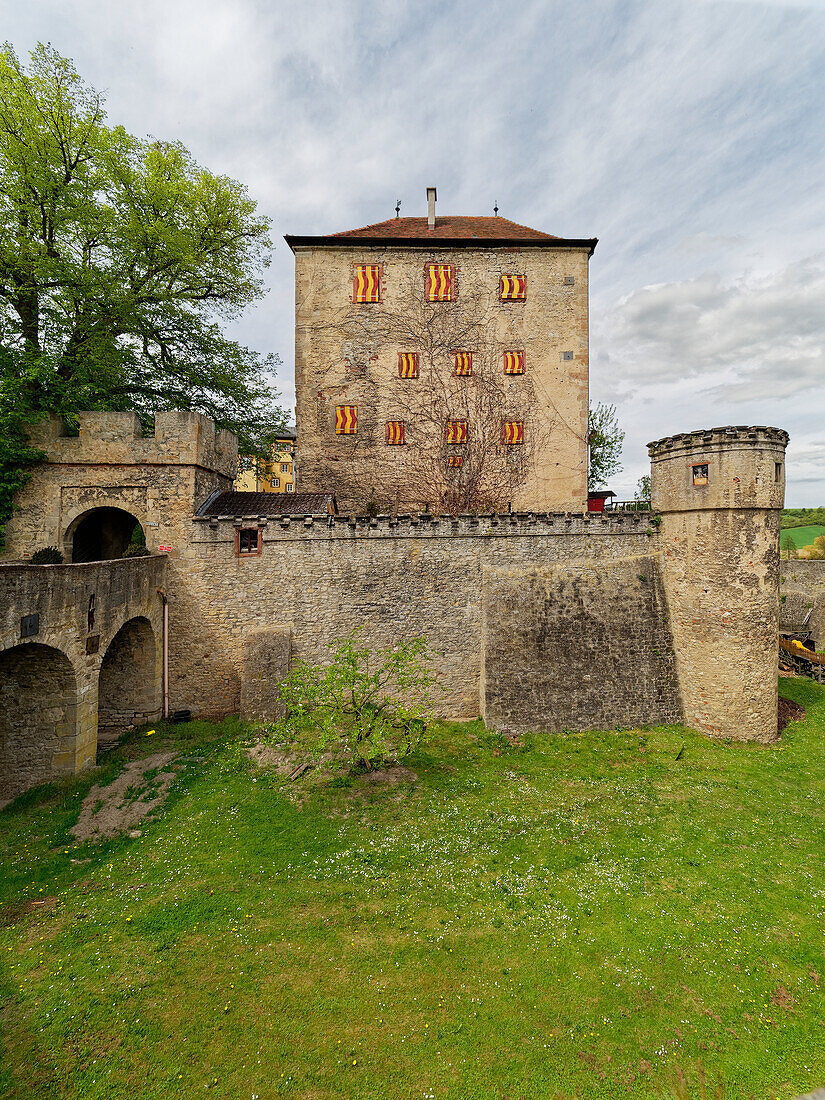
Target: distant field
x=803 y=536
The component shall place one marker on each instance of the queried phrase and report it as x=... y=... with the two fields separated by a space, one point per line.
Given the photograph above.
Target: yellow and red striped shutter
x=407 y=364
x=514 y=362
x=346 y=419
x=395 y=431
x=456 y=431
x=439 y=283
x=512 y=432
x=454 y=461
x=512 y=288
x=367 y=283
x=463 y=362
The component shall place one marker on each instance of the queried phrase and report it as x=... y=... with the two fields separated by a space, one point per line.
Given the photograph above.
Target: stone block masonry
x=425 y=576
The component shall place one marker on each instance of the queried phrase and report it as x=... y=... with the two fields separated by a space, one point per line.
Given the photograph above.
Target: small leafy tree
x=788 y=549
x=642 y=494
x=369 y=707
x=605 y=438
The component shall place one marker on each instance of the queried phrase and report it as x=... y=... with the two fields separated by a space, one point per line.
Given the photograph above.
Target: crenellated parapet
x=180 y=438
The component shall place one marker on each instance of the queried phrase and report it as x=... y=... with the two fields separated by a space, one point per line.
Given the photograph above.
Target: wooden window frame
x=453 y=282
x=700 y=479
x=508 y=275
x=455 y=442
x=239 y=553
x=408 y=377
x=342 y=432
x=395 y=442
x=516 y=442
x=464 y=373
x=514 y=373
x=374 y=301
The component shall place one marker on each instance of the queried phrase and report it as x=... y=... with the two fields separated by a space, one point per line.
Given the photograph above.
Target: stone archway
x=129 y=683
x=38 y=716
x=100 y=535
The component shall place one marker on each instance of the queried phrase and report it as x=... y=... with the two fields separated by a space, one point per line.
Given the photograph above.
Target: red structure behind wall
x=596 y=499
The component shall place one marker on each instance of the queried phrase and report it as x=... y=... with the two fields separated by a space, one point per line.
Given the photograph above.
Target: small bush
x=366 y=708
x=48 y=555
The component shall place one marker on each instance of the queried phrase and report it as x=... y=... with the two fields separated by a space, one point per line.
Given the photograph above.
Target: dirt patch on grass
x=16 y=910
x=127 y=801
x=789 y=712
x=281 y=759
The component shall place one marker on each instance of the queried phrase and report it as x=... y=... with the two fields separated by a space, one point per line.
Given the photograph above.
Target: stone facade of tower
x=525 y=442
x=720 y=495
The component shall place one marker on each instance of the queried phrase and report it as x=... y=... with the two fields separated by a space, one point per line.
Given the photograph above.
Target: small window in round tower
x=700 y=474
x=777 y=471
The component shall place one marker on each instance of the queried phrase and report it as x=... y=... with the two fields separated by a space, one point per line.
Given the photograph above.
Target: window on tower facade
x=366 y=283
x=456 y=431
x=463 y=362
x=439 y=282
x=512 y=432
x=514 y=362
x=395 y=432
x=512 y=288
x=346 y=419
x=407 y=364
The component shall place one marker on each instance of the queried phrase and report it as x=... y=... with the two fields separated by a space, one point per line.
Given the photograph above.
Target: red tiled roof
x=452 y=226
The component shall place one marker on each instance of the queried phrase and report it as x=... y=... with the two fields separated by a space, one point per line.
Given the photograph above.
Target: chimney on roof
x=431 y=197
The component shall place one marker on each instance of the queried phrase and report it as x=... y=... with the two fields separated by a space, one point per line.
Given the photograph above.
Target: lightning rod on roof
x=495 y=208
x=398 y=208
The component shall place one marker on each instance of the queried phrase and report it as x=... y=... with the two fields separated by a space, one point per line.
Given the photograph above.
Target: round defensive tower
x=720 y=494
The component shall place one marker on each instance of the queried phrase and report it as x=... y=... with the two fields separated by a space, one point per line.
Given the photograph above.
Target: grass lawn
x=802 y=536
x=590 y=915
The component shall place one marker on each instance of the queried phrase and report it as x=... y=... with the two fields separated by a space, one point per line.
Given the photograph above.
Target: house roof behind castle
x=452 y=229
x=270 y=504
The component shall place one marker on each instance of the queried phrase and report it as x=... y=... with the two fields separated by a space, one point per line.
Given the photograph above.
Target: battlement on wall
x=116 y=438
x=426 y=525
x=752 y=435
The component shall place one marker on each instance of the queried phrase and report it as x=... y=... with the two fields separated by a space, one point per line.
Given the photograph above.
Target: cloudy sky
x=687 y=135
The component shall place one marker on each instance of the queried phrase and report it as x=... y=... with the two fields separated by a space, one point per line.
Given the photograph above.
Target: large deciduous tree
x=120 y=260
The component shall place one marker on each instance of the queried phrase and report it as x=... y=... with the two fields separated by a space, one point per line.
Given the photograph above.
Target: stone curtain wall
x=128 y=689
x=805 y=581
x=38 y=710
x=578 y=646
x=319 y=579
x=332 y=369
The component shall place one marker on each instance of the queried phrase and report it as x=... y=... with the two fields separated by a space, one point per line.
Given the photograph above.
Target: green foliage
x=120 y=259
x=48 y=555
x=642 y=494
x=366 y=707
x=605 y=439
x=787 y=549
x=802 y=517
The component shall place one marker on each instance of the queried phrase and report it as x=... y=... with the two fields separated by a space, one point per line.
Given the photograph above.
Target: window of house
x=366 y=283
x=439 y=282
x=456 y=431
x=276 y=483
x=248 y=541
x=512 y=432
x=407 y=364
x=290 y=487
x=395 y=431
x=700 y=474
x=512 y=288
x=346 y=419
x=463 y=362
x=514 y=362
x=284 y=467
x=455 y=461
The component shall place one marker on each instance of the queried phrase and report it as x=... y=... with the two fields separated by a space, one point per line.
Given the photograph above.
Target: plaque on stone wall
x=29 y=626
x=92 y=644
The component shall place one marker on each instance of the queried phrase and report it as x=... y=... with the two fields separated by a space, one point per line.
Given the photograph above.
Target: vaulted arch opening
x=38 y=716
x=103 y=534
x=129 y=684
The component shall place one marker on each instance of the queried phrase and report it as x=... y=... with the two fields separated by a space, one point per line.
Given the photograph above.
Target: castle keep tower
x=443 y=361
x=720 y=494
